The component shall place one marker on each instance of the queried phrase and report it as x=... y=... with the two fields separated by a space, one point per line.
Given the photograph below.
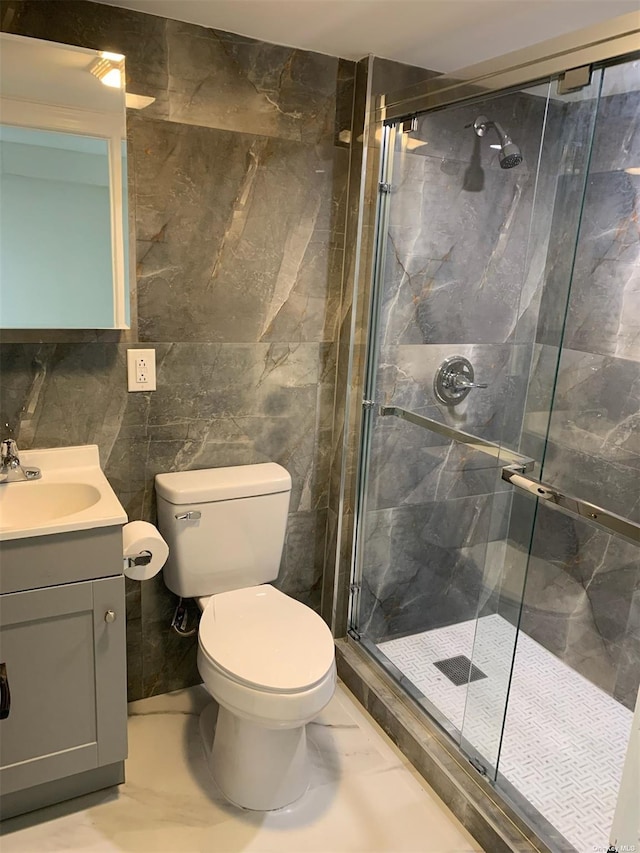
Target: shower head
x=510 y=154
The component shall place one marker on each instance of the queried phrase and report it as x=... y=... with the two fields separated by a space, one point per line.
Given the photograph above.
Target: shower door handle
x=611 y=522
x=519 y=462
x=514 y=475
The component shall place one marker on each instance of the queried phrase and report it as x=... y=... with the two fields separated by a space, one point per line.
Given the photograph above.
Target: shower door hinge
x=574 y=79
x=368 y=404
x=479 y=766
x=384 y=187
x=353 y=634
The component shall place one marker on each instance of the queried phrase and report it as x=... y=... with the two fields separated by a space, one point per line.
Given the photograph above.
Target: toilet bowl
x=266 y=659
x=269 y=663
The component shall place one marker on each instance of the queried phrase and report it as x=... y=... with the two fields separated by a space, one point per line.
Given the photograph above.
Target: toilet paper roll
x=139 y=537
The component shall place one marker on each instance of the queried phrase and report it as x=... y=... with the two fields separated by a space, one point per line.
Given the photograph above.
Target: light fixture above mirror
x=109 y=69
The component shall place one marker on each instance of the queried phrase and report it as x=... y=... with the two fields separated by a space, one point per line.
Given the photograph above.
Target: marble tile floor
x=363 y=796
x=564 y=740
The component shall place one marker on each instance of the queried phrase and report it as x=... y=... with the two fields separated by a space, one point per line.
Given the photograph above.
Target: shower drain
x=459 y=670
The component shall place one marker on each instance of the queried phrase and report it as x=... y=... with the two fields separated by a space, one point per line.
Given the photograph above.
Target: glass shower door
x=574 y=682
x=461 y=244
x=497 y=573
x=463 y=251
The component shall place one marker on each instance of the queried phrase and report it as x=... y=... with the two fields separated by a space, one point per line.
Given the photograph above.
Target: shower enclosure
x=496 y=571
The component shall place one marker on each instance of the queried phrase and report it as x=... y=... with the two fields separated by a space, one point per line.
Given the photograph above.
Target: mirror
x=63 y=187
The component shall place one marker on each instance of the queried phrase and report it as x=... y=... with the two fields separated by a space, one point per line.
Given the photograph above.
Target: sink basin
x=41 y=502
x=73 y=494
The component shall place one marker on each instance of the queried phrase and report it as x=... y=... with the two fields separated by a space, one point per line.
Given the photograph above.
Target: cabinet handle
x=110 y=616
x=5 y=693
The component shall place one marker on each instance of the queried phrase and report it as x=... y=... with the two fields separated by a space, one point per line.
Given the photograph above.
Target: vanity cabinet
x=63 y=665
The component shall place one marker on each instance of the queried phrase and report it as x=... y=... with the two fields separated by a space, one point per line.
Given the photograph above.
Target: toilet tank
x=225 y=527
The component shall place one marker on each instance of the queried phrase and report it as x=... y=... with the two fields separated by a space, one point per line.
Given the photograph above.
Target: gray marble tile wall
x=460 y=250
x=582 y=602
x=239 y=184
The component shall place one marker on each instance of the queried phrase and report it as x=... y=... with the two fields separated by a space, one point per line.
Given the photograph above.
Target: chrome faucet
x=11 y=470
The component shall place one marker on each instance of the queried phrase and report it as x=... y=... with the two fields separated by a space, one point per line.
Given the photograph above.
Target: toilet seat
x=265 y=640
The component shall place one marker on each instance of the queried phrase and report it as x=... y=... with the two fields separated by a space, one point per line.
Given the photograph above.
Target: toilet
x=266 y=659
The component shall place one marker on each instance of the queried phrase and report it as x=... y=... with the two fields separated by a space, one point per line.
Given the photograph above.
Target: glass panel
x=577 y=667
x=563 y=166
x=460 y=277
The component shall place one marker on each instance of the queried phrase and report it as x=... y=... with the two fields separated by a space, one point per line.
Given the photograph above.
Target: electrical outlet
x=141 y=369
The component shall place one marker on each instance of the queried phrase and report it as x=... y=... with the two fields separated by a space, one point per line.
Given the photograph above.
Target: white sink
x=73 y=494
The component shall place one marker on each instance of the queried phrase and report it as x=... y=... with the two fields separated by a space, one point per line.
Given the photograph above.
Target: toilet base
x=256 y=767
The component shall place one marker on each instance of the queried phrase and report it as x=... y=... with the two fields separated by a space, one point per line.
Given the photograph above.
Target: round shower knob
x=454 y=380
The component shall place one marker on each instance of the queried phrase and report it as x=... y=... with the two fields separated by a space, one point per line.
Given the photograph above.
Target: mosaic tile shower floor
x=565 y=739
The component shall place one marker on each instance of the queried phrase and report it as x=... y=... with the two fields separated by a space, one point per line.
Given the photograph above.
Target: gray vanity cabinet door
x=66 y=673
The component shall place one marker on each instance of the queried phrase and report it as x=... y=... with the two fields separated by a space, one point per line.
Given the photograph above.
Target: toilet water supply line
x=181 y=620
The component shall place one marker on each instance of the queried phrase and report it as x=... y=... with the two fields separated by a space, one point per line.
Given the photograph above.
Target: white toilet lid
x=266 y=639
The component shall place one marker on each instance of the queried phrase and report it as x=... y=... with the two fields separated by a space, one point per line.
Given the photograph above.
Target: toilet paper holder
x=144 y=551
x=141 y=559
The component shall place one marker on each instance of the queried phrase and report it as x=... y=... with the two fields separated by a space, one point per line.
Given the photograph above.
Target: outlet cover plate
x=134 y=357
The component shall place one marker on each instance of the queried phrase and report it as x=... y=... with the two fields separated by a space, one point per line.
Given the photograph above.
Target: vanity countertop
x=72 y=494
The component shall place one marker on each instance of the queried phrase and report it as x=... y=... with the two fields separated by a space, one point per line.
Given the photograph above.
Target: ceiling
x=443 y=35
